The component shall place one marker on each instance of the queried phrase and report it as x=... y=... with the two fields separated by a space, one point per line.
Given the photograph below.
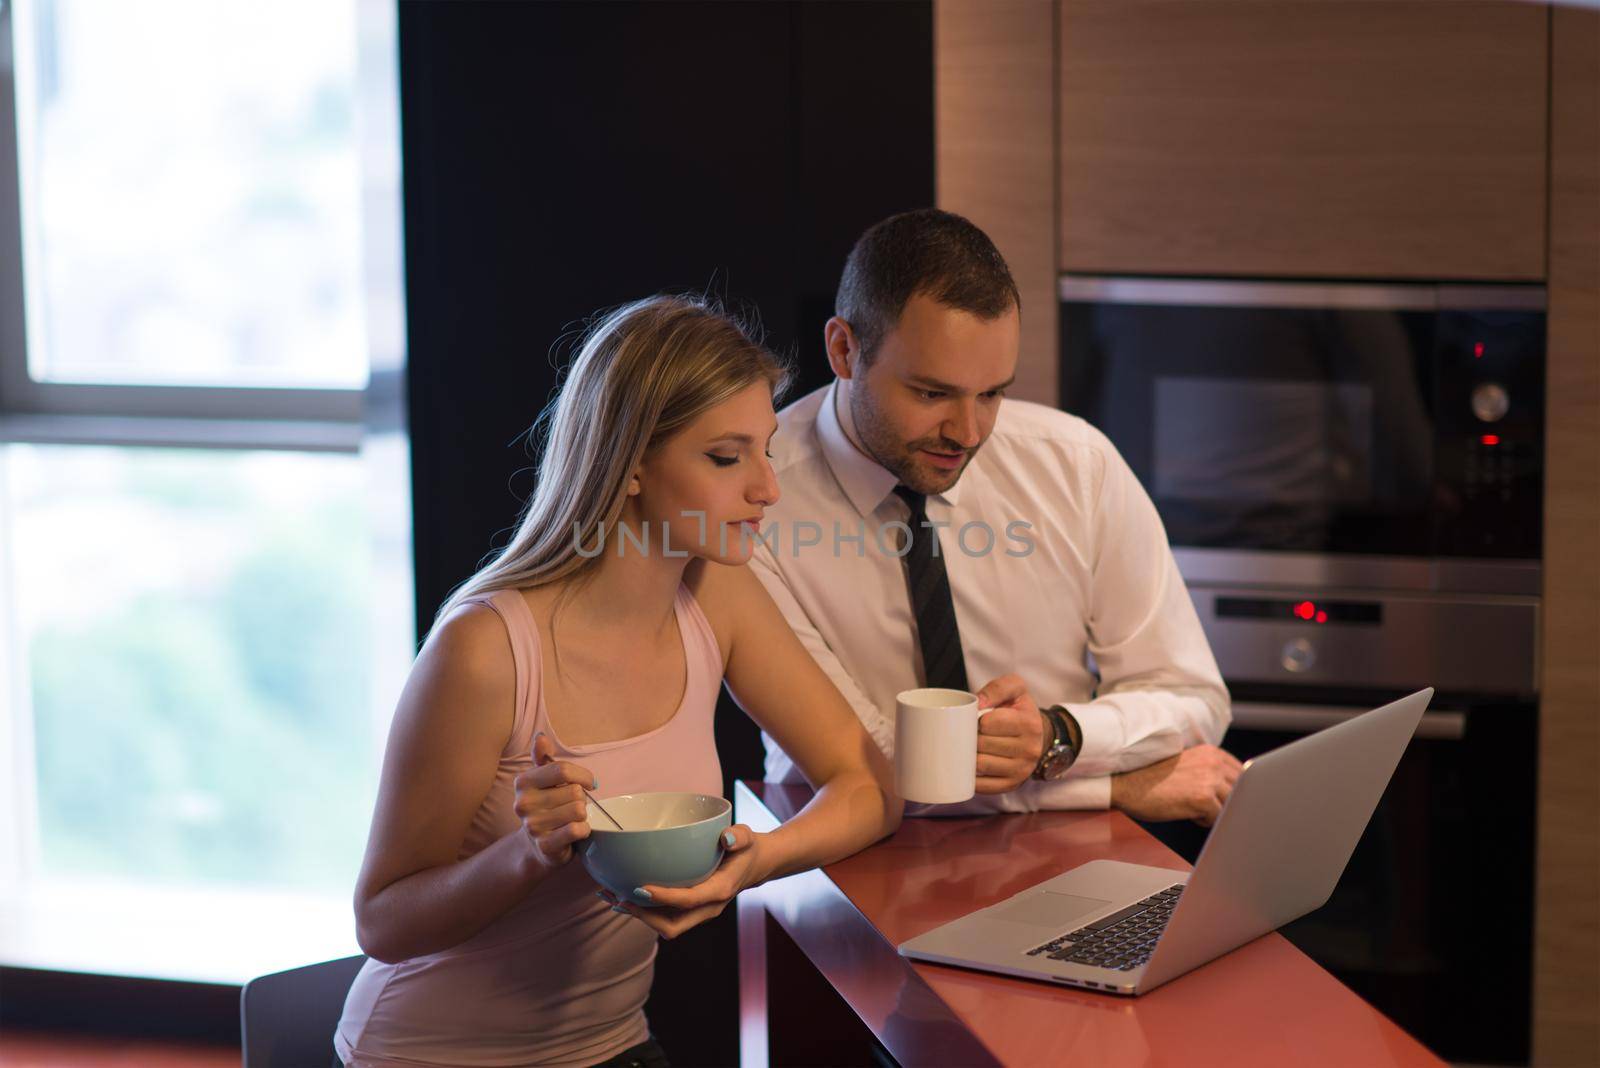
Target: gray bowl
x=675 y=840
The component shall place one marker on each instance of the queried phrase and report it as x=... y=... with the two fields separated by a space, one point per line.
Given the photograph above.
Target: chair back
x=287 y=1019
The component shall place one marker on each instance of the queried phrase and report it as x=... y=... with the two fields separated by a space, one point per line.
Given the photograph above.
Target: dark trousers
x=647 y=1054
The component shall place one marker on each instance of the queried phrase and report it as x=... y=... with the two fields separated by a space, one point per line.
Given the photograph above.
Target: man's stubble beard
x=884 y=446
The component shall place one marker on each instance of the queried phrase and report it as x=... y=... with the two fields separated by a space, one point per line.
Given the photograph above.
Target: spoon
x=602 y=808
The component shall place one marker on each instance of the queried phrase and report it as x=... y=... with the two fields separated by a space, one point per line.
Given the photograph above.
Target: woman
x=589 y=654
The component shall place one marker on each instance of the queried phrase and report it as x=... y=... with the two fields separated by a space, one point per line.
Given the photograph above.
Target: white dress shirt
x=1099 y=580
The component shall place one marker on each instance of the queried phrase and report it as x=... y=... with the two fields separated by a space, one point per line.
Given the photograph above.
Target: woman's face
x=710 y=483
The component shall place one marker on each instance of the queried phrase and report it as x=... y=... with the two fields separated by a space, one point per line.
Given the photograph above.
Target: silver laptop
x=1275 y=853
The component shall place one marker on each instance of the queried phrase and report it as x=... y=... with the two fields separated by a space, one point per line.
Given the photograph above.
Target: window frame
x=314 y=419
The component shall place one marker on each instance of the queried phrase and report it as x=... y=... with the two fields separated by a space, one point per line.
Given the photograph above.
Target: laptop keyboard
x=1121 y=941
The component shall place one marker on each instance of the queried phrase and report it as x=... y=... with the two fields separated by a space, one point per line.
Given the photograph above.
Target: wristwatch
x=1063 y=749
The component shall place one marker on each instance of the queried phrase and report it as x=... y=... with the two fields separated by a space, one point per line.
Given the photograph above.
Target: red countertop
x=1265 y=1003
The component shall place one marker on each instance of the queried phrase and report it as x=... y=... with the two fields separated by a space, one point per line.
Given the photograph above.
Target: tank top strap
x=512 y=608
x=700 y=639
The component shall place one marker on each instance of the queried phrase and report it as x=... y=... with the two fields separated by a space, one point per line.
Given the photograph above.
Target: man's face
x=928 y=400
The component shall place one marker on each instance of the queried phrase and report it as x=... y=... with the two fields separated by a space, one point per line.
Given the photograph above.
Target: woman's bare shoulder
x=470 y=650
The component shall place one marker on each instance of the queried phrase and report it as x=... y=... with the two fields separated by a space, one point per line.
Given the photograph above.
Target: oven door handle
x=1304 y=719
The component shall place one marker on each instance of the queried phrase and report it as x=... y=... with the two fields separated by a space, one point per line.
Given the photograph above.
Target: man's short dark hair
x=928 y=251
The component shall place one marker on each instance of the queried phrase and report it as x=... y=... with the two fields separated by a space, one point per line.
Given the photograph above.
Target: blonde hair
x=643 y=372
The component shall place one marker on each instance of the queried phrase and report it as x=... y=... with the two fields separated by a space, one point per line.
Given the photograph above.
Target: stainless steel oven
x=1351 y=476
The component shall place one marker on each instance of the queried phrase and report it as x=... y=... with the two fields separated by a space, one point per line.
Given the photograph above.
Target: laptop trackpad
x=1048 y=909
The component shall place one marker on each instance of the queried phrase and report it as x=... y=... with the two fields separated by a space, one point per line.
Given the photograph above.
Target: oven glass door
x=1346 y=429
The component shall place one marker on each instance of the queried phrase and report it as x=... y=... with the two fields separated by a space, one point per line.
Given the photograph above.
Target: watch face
x=1057 y=763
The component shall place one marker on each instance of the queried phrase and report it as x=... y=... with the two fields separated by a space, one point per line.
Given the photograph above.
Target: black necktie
x=931 y=604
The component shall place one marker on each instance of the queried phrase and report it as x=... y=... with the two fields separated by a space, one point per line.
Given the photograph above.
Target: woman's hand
x=551 y=804
x=677 y=909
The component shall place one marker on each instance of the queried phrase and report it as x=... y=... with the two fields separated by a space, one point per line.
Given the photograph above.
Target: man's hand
x=1190 y=786
x=1011 y=735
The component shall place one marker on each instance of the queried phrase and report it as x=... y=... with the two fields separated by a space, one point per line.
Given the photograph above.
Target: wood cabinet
x=1320 y=138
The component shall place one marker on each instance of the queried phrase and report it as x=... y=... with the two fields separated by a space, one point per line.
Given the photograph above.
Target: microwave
x=1394 y=420
x=1351 y=475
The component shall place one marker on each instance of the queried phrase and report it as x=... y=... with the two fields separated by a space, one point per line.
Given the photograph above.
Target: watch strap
x=1074 y=732
x=1059 y=739
x=1067 y=739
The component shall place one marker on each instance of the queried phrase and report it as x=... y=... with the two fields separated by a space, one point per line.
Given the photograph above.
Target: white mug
x=936 y=745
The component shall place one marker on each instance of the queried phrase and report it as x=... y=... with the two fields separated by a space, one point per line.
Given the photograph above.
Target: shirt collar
x=863 y=479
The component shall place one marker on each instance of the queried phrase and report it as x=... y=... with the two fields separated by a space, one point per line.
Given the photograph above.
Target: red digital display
x=1308 y=611
x=1477 y=351
x=1489 y=439
x=1335 y=613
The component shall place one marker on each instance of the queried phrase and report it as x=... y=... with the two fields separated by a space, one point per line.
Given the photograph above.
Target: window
x=205 y=578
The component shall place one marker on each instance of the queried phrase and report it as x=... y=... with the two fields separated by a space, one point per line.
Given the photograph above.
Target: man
x=931 y=532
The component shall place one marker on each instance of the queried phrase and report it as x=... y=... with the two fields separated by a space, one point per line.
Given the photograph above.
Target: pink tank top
x=560 y=979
